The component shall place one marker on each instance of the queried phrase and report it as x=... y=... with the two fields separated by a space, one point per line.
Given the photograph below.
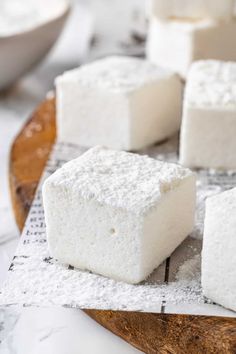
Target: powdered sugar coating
x=119 y=179
x=212 y=84
x=116 y=73
x=34 y=278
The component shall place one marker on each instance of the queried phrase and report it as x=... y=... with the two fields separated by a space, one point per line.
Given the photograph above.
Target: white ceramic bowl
x=21 y=51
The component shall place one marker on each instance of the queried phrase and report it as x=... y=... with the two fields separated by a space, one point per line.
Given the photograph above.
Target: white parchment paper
x=37 y=279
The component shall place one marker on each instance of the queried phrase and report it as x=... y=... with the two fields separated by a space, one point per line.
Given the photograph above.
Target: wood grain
x=151 y=333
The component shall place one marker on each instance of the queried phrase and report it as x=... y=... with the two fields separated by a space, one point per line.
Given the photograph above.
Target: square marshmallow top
x=117 y=74
x=211 y=84
x=128 y=181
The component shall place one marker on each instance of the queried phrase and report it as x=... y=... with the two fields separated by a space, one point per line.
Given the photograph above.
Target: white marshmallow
x=209 y=117
x=219 y=250
x=119 y=102
x=193 y=9
x=175 y=44
x=118 y=214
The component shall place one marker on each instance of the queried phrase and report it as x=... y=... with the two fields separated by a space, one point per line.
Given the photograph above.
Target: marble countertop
x=56 y=331
x=50 y=330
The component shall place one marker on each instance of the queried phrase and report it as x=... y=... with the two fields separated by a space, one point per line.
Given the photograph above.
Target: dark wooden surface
x=151 y=333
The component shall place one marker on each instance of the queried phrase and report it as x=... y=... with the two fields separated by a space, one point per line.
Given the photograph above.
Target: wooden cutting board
x=151 y=333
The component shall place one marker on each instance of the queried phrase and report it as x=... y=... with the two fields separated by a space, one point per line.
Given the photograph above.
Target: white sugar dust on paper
x=35 y=278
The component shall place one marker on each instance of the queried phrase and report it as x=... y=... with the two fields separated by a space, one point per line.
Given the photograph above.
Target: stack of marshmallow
x=183 y=31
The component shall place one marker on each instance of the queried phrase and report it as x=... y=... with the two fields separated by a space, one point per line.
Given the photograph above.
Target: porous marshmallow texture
x=193 y=9
x=118 y=102
x=118 y=214
x=219 y=250
x=175 y=44
x=209 y=117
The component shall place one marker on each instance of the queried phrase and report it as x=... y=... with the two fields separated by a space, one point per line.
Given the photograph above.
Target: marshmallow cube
x=118 y=214
x=118 y=102
x=176 y=44
x=193 y=9
x=209 y=118
x=219 y=250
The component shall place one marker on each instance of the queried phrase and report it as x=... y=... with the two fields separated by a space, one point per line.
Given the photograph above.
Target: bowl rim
x=64 y=13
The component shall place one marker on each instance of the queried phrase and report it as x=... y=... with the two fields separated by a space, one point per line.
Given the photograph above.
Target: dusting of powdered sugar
x=116 y=73
x=118 y=179
x=174 y=287
x=212 y=84
x=55 y=284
